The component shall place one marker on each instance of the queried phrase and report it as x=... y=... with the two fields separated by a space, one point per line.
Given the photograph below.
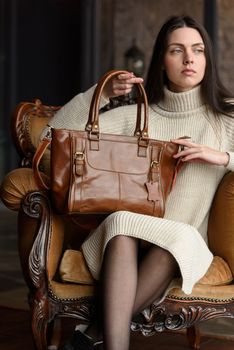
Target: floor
x=15 y=324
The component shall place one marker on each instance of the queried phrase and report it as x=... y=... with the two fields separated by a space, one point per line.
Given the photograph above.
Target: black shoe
x=81 y=341
x=67 y=346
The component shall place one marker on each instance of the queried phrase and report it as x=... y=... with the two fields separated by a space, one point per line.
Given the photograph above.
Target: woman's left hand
x=194 y=152
x=120 y=85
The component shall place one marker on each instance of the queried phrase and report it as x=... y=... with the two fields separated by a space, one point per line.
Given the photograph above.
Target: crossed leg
x=129 y=287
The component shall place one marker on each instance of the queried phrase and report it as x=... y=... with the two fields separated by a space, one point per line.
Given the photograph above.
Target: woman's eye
x=198 y=50
x=176 y=50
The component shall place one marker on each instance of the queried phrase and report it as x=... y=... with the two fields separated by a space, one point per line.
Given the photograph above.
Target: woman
x=186 y=98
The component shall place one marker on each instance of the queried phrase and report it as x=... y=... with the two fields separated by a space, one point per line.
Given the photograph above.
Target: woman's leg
x=156 y=270
x=127 y=290
x=119 y=282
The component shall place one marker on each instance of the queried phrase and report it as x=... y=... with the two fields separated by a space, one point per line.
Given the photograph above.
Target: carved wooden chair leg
x=39 y=325
x=194 y=337
x=55 y=332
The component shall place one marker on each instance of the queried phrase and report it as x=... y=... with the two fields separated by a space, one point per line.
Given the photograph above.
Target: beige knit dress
x=183 y=230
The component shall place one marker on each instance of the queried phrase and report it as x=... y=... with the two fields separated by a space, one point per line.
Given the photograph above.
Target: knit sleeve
x=229 y=127
x=74 y=114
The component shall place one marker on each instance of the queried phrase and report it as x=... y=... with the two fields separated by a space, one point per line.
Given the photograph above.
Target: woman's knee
x=123 y=242
x=164 y=256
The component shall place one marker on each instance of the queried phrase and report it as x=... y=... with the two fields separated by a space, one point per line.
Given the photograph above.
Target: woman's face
x=184 y=59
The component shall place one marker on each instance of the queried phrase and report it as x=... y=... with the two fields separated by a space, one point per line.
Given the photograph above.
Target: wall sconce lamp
x=135 y=60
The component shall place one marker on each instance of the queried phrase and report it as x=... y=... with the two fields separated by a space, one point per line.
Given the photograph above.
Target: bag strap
x=43 y=145
x=93 y=119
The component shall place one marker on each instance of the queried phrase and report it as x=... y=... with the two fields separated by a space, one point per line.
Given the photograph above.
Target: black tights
x=129 y=286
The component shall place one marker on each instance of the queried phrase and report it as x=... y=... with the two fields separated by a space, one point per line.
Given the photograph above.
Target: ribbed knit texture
x=183 y=230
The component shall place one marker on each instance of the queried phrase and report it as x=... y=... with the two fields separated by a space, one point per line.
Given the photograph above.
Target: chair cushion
x=218 y=274
x=73 y=268
x=70 y=290
x=201 y=292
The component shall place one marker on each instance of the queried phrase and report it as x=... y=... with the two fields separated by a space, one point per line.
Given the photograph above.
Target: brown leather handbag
x=99 y=173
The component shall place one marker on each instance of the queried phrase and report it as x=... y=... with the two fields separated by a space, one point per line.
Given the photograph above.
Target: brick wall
x=226 y=42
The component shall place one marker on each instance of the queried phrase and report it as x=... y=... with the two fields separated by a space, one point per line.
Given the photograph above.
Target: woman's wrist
x=227 y=159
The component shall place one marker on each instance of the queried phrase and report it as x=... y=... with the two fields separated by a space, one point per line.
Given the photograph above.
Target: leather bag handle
x=43 y=145
x=93 y=119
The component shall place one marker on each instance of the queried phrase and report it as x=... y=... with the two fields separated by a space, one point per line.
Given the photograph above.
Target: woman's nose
x=188 y=58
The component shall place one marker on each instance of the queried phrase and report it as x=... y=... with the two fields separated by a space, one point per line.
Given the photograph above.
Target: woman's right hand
x=120 y=85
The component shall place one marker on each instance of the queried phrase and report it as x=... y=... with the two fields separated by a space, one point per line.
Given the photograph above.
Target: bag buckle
x=79 y=155
x=79 y=163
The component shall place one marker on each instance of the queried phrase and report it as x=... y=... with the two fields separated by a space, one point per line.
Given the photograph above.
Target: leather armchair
x=44 y=237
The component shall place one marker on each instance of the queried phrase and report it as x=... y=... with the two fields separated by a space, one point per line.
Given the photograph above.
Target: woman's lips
x=188 y=72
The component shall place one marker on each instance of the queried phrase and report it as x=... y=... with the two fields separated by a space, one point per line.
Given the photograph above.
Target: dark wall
x=55 y=42
x=49 y=50
x=48 y=45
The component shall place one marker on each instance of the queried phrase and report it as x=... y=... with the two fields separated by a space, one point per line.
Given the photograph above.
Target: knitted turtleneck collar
x=180 y=102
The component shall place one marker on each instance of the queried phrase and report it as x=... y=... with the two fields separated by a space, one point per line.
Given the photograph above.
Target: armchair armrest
x=28 y=121
x=221 y=221
x=16 y=185
x=40 y=230
x=47 y=247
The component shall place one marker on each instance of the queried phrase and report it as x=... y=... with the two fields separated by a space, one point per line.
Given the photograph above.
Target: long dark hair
x=213 y=91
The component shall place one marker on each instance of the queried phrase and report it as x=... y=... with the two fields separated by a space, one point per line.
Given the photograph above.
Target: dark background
x=49 y=50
